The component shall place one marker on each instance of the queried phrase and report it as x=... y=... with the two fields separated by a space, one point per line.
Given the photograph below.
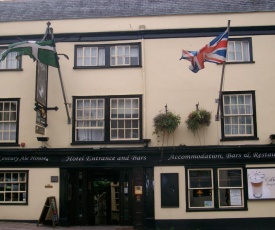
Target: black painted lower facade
x=130 y=171
x=218 y=224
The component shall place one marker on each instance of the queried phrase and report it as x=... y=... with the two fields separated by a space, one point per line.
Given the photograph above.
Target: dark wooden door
x=77 y=197
x=126 y=197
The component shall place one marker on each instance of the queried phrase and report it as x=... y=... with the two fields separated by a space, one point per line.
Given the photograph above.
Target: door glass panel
x=80 y=196
x=126 y=199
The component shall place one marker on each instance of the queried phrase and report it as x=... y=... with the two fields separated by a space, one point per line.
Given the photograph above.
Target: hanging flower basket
x=166 y=123
x=198 y=119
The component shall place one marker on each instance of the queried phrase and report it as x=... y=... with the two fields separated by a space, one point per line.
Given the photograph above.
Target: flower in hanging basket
x=198 y=119
x=166 y=123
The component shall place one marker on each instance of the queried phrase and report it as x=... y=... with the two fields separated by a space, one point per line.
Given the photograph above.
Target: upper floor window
x=90 y=56
x=102 y=56
x=215 y=188
x=10 y=62
x=239 y=115
x=124 y=55
x=239 y=50
x=9 y=115
x=107 y=119
x=13 y=187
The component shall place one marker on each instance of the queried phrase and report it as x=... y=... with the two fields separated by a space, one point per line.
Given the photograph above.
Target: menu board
x=235 y=197
x=49 y=212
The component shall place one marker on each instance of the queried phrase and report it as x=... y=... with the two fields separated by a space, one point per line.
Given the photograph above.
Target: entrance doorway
x=99 y=197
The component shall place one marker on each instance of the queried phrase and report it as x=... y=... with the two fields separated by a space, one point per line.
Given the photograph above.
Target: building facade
x=84 y=132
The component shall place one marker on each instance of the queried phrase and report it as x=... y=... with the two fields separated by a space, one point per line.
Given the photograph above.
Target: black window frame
x=107 y=48
x=2 y=48
x=15 y=143
x=27 y=187
x=245 y=137
x=216 y=188
x=107 y=120
x=249 y=40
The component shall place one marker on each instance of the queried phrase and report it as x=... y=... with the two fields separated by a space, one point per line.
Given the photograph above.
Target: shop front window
x=13 y=187
x=215 y=188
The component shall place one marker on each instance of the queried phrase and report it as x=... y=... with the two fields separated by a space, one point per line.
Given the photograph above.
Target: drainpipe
x=144 y=101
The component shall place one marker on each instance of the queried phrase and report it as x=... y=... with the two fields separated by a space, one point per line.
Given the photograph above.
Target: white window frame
x=90 y=119
x=238 y=115
x=202 y=189
x=233 y=191
x=9 y=121
x=123 y=55
x=239 y=50
x=216 y=203
x=108 y=123
x=13 y=187
x=124 y=117
x=107 y=56
x=10 y=62
x=90 y=56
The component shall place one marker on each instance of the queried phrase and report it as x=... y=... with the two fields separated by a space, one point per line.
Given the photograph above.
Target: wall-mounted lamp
x=43 y=139
x=146 y=142
x=272 y=138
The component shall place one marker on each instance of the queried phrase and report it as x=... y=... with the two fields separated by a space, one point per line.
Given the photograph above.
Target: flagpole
x=50 y=30
x=222 y=78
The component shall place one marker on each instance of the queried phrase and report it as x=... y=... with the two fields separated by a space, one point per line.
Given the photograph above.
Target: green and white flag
x=41 y=51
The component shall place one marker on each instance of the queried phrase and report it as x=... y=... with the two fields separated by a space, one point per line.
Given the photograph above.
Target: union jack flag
x=214 y=52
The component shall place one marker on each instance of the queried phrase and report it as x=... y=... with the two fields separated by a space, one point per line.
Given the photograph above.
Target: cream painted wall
x=38 y=178
x=263 y=208
x=170 y=81
x=162 y=79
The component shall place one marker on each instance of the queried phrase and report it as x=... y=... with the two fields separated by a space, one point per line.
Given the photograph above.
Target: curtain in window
x=101 y=57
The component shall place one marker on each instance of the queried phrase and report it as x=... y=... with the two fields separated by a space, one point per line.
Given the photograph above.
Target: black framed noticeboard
x=169 y=190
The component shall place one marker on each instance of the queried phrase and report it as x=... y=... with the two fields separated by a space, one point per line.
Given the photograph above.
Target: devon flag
x=41 y=51
x=214 y=52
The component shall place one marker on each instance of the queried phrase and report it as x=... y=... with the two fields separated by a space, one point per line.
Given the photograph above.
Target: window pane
x=201 y=198
x=227 y=110
x=114 y=134
x=90 y=135
x=246 y=55
x=101 y=57
x=134 y=55
x=230 y=197
x=230 y=178
x=135 y=133
x=200 y=178
x=249 y=129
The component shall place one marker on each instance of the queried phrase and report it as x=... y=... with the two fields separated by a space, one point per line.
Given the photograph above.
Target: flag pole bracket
x=52 y=108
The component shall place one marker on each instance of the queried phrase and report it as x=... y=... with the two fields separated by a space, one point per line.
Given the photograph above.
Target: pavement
x=7 y=225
